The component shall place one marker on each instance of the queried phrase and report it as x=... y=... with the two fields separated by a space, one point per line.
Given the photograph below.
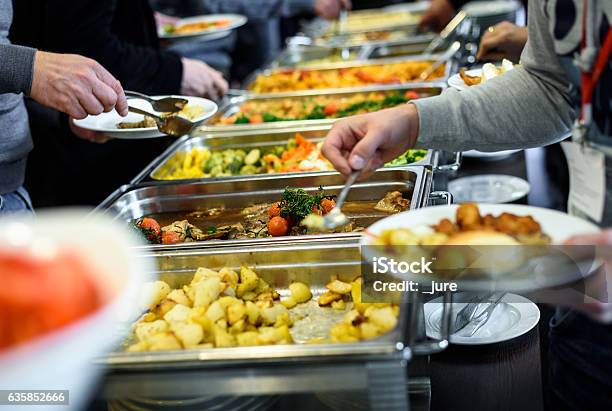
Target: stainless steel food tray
x=319 y=27
x=377 y=366
x=246 y=140
x=304 y=52
x=160 y=197
x=352 y=64
x=231 y=105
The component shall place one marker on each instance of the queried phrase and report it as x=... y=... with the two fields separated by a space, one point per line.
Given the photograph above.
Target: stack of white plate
x=489 y=13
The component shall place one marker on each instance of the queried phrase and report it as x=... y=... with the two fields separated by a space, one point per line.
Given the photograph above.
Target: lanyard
x=591 y=72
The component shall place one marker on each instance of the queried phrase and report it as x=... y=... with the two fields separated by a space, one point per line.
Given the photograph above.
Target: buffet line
x=209 y=206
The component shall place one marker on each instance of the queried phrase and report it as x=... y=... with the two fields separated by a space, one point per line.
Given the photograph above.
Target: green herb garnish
x=298 y=203
x=242 y=119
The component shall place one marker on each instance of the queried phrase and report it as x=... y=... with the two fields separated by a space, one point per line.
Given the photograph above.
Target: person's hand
x=89 y=135
x=366 y=142
x=438 y=15
x=75 y=85
x=504 y=40
x=199 y=79
x=330 y=9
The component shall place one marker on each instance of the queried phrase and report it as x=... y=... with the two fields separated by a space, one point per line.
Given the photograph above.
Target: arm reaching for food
x=437 y=16
x=199 y=79
x=502 y=41
x=526 y=107
x=266 y=9
x=72 y=84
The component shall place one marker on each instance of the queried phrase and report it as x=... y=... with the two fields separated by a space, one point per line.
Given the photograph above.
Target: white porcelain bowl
x=61 y=360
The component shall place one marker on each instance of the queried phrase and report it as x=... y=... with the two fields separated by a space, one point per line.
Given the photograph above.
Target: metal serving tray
x=318 y=27
x=231 y=105
x=377 y=366
x=352 y=64
x=160 y=197
x=245 y=139
x=304 y=55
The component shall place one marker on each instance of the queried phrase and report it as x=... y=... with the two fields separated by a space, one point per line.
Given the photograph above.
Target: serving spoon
x=447 y=55
x=162 y=105
x=175 y=126
x=336 y=218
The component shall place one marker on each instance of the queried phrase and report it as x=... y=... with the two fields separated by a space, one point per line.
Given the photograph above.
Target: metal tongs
x=444 y=34
x=336 y=218
x=162 y=105
x=175 y=126
x=447 y=55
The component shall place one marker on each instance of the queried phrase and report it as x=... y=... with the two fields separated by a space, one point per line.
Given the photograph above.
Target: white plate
x=235 y=21
x=559 y=226
x=492 y=156
x=514 y=316
x=490 y=8
x=455 y=81
x=488 y=188
x=107 y=122
x=62 y=358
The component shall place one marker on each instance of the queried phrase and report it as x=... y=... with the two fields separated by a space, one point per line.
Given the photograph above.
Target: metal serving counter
x=248 y=138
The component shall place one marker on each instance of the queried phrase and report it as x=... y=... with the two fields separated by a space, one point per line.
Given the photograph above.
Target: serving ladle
x=162 y=105
x=175 y=126
x=336 y=218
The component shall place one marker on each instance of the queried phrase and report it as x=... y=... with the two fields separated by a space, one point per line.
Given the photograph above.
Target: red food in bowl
x=39 y=295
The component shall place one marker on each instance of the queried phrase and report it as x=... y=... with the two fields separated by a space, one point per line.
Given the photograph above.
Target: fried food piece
x=469 y=80
x=392 y=202
x=445 y=226
x=468 y=217
x=328 y=298
x=339 y=287
x=148 y=122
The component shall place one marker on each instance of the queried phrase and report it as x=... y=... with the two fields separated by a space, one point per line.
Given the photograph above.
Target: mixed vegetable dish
x=318 y=107
x=298 y=155
x=303 y=79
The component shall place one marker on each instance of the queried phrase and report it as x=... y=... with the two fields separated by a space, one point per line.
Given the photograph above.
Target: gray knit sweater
x=16 y=64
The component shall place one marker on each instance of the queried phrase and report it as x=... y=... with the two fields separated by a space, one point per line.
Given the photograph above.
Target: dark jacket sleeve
x=88 y=27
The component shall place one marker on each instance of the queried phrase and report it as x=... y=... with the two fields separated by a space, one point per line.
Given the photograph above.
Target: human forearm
x=16 y=68
x=525 y=107
x=264 y=9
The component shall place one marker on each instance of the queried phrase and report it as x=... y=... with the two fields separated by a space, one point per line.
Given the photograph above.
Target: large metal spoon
x=444 y=34
x=444 y=57
x=336 y=218
x=162 y=105
x=172 y=125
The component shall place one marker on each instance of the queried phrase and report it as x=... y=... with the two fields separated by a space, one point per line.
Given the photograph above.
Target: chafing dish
x=353 y=64
x=185 y=197
x=231 y=105
x=369 y=20
x=245 y=139
x=311 y=56
x=377 y=366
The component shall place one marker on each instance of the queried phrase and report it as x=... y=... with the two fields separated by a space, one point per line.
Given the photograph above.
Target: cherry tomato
x=274 y=210
x=150 y=224
x=411 y=94
x=278 y=226
x=330 y=109
x=256 y=119
x=327 y=205
x=171 y=237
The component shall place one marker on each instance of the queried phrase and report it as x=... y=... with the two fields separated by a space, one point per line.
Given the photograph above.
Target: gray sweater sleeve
x=264 y=9
x=16 y=69
x=526 y=107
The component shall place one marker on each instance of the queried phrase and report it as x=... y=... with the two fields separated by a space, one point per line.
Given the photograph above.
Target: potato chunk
x=300 y=292
x=339 y=287
x=153 y=294
x=328 y=298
